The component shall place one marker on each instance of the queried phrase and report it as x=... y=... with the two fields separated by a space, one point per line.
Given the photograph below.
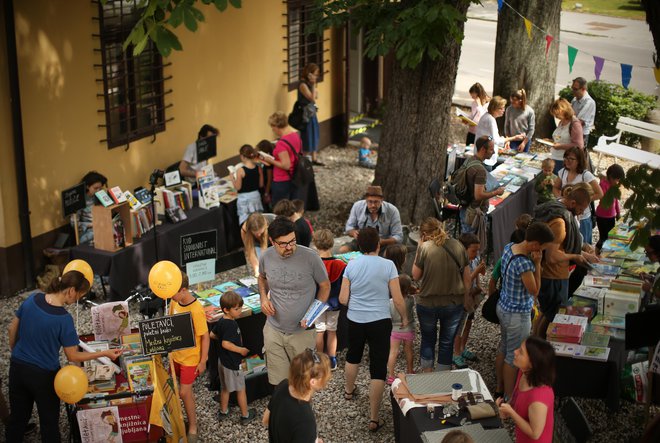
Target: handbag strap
x=293 y=151
x=508 y=263
x=452 y=257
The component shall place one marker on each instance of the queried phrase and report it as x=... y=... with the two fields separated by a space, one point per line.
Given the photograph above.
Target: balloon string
x=77 y=316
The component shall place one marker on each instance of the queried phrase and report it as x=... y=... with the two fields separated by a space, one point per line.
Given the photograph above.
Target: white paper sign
x=200 y=271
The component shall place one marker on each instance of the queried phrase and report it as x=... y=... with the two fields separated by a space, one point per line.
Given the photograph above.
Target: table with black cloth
x=592 y=379
x=130 y=265
x=409 y=428
x=502 y=220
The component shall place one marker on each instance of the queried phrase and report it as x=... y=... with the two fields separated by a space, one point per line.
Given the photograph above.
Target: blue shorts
x=515 y=328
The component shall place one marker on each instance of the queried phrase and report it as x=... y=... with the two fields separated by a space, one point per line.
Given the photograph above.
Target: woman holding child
x=368 y=282
x=443 y=293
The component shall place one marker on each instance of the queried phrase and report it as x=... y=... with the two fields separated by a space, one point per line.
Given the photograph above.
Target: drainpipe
x=19 y=151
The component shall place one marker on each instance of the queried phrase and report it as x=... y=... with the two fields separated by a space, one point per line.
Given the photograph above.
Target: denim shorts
x=515 y=328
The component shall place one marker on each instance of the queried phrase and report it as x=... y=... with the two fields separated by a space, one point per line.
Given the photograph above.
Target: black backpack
x=303 y=172
x=458 y=191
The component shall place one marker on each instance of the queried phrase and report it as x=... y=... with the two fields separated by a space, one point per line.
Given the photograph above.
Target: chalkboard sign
x=206 y=148
x=199 y=246
x=166 y=334
x=73 y=199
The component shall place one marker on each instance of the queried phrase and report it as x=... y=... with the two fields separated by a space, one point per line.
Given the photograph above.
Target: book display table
x=129 y=266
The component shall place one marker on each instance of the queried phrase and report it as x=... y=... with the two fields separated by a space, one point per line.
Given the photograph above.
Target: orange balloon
x=165 y=279
x=71 y=384
x=83 y=267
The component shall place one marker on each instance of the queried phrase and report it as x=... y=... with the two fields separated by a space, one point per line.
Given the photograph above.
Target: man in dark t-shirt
x=475 y=178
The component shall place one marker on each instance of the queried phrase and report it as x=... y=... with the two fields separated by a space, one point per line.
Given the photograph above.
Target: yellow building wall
x=230 y=74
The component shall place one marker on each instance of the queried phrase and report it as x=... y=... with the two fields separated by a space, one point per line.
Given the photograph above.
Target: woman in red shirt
x=532 y=403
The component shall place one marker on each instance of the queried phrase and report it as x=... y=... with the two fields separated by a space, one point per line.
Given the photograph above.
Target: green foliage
x=614 y=101
x=412 y=29
x=159 y=17
x=643 y=205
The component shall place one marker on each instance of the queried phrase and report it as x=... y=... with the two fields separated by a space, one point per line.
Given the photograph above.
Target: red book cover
x=564 y=333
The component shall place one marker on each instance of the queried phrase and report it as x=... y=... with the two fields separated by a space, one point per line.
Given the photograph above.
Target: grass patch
x=613 y=8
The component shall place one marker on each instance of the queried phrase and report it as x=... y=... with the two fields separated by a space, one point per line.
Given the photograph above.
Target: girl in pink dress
x=532 y=404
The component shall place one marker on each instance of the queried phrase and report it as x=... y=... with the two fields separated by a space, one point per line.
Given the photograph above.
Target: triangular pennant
x=598 y=67
x=548 y=41
x=656 y=72
x=499 y=5
x=626 y=75
x=528 y=27
x=572 y=53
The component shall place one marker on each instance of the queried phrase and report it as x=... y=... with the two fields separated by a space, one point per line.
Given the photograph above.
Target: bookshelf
x=104 y=230
x=142 y=220
x=179 y=195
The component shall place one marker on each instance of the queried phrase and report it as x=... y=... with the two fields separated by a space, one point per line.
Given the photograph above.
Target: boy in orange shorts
x=191 y=362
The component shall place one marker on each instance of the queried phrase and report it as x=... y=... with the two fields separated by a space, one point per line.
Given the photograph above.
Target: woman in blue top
x=308 y=94
x=41 y=327
x=368 y=282
x=521 y=281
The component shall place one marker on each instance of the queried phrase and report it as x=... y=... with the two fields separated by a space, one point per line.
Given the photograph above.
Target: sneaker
x=252 y=414
x=468 y=355
x=223 y=415
x=317 y=163
x=389 y=380
x=333 y=363
x=459 y=362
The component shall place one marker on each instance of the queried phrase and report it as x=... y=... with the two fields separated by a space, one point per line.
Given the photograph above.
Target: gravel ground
x=341 y=183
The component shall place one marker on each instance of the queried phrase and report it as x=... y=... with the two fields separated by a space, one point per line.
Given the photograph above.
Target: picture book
x=603 y=269
x=214 y=300
x=314 y=311
x=143 y=196
x=117 y=194
x=593 y=339
x=110 y=321
x=95 y=346
x=588 y=292
x=621 y=232
x=206 y=293
x=243 y=291
x=227 y=286
x=249 y=281
x=99 y=425
x=636 y=269
x=580 y=311
x=563 y=349
x=615 y=245
x=131 y=344
x=465 y=118
x=104 y=198
x=140 y=374
x=592 y=353
x=618 y=334
x=132 y=201
x=609 y=320
x=597 y=281
x=626 y=285
x=612 y=261
x=253 y=302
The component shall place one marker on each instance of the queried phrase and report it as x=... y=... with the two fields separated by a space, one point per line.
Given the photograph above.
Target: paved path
x=624 y=40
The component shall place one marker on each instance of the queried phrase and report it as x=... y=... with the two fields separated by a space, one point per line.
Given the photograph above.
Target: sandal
x=379 y=424
x=349 y=395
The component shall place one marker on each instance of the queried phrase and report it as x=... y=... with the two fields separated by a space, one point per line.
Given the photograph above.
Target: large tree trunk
x=413 y=144
x=652 y=8
x=521 y=63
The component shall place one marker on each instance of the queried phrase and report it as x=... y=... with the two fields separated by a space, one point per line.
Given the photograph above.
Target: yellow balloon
x=165 y=279
x=83 y=267
x=71 y=384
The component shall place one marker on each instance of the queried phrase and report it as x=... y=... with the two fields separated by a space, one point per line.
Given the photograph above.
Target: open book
x=545 y=142
x=465 y=118
x=266 y=156
x=314 y=312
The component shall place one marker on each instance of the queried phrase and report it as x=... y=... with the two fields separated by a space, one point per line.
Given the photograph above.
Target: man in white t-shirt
x=584 y=106
x=189 y=165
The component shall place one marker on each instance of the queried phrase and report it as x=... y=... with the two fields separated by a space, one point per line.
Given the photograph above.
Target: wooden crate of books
x=104 y=223
x=179 y=195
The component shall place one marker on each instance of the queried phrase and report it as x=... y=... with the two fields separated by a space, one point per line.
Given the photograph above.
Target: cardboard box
x=619 y=303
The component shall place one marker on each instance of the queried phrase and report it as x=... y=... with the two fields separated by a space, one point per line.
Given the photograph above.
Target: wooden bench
x=617 y=150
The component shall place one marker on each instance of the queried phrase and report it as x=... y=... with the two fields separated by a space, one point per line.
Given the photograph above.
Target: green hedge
x=614 y=101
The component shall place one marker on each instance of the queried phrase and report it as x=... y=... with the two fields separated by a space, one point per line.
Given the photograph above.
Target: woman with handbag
x=441 y=265
x=521 y=282
x=285 y=154
x=307 y=96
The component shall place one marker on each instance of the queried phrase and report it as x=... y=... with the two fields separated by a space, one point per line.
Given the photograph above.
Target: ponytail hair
x=71 y=279
x=521 y=95
x=305 y=366
x=480 y=92
x=248 y=151
x=432 y=229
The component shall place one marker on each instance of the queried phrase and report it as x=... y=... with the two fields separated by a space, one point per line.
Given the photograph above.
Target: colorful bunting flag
x=598 y=67
x=626 y=74
x=572 y=53
x=499 y=5
x=548 y=41
x=528 y=26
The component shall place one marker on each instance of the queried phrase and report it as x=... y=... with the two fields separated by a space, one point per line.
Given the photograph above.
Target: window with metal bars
x=133 y=89
x=302 y=47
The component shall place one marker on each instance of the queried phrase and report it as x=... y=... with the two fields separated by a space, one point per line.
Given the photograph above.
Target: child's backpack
x=458 y=191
